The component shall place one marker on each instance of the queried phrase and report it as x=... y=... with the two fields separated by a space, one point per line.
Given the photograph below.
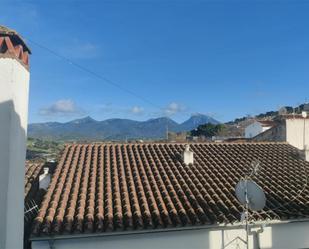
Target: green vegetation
x=208 y=130
x=43 y=149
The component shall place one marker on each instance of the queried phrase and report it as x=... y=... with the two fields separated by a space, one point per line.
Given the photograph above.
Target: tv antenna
x=30 y=210
x=304 y=115
x=250 y=195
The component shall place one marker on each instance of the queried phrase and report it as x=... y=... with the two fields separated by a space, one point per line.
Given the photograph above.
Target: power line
x=96 y=75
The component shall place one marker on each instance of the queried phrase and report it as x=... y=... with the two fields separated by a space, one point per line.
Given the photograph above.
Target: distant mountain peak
x=159 y=119
x=202 y=118
x=84 y=120
x=198 y=114
x=115 y=129
x=197 y=119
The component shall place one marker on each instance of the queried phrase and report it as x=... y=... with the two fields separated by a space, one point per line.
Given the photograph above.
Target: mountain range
x=114 y=129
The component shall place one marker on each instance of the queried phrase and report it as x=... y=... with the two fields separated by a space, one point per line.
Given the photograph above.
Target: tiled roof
x=99 y=188
x=5 y=31
x=33 y=170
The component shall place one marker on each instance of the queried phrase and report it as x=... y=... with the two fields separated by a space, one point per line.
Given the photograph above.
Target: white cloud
x=109 y=108
x=173 y=108
x=63 y=107
x=137 y=110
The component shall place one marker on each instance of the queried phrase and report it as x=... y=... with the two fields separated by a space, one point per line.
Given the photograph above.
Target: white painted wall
x=188 y=156
x=284 y=236
x=254 y=129
x=14 y=88
x=295 y=132
x=44 y=179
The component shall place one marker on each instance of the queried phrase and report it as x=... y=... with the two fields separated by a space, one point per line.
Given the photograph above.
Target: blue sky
x=222 y=58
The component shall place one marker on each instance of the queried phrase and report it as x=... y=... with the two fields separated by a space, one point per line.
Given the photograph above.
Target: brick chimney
x=14 y=87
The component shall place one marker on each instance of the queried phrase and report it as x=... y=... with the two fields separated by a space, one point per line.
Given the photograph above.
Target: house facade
x=293 y=129
x=258 y=127
x=274 y=236
x=297 y=132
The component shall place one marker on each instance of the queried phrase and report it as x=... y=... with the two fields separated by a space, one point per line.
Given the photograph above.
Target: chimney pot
x=304 y=114
x=188 y=156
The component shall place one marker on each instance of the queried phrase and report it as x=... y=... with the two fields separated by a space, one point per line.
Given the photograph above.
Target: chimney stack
x=14 y=87
x=188 y=155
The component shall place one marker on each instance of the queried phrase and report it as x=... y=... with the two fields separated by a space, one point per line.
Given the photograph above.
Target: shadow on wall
x=12 y=144
x=292 y=235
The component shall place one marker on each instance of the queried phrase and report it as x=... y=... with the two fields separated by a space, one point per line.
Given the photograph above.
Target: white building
x=274 y=236
x=258 y=127
x=122 y=196
x=297 y=132
x=293 y=129
x=14 y=87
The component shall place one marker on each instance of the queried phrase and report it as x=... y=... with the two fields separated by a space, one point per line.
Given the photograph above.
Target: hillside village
x=121 y=183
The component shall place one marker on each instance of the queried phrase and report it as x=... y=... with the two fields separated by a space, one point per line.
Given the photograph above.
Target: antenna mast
x=251 y=196
x=304 y=115
x=247 y=213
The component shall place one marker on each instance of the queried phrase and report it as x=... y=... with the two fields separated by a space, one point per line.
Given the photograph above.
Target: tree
x=207 y=130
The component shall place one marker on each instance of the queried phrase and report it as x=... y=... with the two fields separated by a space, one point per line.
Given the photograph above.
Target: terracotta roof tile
x=32 y=172
x=99 y=188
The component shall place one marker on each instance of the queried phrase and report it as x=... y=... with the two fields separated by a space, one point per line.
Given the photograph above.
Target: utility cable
x=96 y=75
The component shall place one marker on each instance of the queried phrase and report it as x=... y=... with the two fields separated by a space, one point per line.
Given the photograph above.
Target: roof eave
x=16 y=36
x=213 y=227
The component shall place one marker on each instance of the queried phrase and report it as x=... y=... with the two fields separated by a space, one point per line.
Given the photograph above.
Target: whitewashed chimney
x=44 y=179
x=188 y=155
x=304 y=114
x=14 y=88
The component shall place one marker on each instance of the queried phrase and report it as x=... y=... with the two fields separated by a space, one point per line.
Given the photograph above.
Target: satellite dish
x=255 y=195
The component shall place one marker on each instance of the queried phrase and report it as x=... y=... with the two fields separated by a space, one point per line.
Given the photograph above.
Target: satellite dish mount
x=250 y=195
